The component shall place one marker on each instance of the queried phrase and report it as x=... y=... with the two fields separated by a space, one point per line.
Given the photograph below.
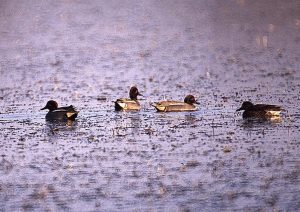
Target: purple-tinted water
x=88 y=53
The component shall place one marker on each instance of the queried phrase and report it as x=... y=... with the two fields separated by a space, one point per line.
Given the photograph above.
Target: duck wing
x=169 y=103
x=126 y=104
x=268 y=107
x=68 y=108
x=124 y=100
x=169 y=106
x=163 y=105
x=269 y=110
x=69 y=111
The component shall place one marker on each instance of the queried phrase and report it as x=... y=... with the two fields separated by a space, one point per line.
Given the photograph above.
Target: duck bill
x=239 y=109
x=44 y=108
x=139 y=94
x=197 y=103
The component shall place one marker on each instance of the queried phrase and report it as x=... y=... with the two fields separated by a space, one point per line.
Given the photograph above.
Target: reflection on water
x=191 y=119
x=223 y=52
x=125 y=123
x=54 y=127
x=260 y=122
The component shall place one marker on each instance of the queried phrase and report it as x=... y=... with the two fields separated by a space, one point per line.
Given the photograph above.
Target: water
x=89 y=53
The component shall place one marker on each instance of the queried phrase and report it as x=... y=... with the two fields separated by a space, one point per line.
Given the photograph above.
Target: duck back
x=173 y=106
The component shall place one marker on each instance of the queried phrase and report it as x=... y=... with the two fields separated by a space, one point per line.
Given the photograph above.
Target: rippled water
x=89 y=53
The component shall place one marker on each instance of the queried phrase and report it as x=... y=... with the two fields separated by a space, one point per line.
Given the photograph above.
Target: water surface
x=89 y=53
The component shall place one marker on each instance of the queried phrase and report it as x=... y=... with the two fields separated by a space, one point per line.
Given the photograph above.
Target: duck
x=59 y=114
x=176 y=106
x=131 y=103
x=260 y=110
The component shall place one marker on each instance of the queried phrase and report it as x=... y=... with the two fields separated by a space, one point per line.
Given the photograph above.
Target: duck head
x=190 y=99
x=134 y=92
x=246 y=106
x=51 y=105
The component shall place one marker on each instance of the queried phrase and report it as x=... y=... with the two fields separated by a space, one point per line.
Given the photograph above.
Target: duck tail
x=153 y=104
x=72 y=115
x=74 y=109
x=158 y=107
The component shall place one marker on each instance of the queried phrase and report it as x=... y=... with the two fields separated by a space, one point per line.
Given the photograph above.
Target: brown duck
x=177 y=106
x=131 y=103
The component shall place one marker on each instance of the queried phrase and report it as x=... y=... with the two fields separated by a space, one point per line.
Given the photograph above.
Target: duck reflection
x=254 y=124
x=126 y=123
x=53 y=127
x=191 y=119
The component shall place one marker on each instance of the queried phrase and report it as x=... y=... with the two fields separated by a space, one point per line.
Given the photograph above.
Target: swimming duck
x=177 y=106
x=259 y=110
x=59 y=114
x=129 y=104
